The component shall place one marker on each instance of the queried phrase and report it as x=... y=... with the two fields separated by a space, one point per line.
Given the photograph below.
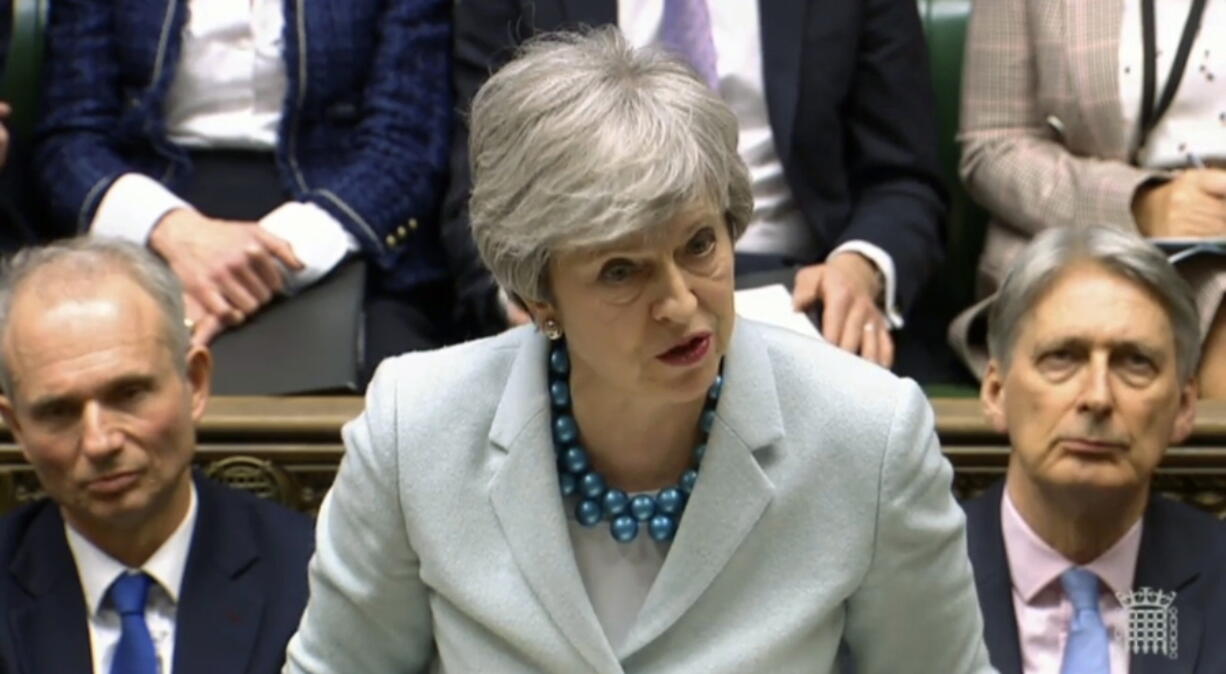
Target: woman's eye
x=617 y=271
x=702 y=243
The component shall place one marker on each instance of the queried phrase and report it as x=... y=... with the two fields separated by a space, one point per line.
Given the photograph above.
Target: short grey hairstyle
x=582 y=140
x=1055 y=250
x=89 y=257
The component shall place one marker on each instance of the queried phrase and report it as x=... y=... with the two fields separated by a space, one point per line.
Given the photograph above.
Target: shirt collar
x=1034 y=565
x=98 y=570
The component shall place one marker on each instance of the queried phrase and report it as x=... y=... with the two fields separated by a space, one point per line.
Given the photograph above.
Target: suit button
x=413 y=223
x=391 y=239
x=402 y=232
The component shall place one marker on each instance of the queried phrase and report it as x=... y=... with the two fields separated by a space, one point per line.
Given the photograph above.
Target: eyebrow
x=43 y=403
x=1114 y=345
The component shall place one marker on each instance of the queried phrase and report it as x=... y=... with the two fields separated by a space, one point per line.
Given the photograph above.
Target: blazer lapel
x=782 y=36
x=992 y=580
x=50 y=628
x=1091 y=56
x=1169 y=561
x=731 y=494
x=220 y=605
x=527 y=501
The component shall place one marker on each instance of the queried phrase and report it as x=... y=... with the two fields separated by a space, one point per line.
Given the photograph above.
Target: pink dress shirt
x=1043 y=612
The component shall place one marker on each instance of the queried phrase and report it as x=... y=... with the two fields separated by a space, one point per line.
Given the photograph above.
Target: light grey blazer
x=822 y=512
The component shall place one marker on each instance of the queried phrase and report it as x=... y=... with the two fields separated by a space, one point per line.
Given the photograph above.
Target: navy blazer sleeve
x=897 y=196
x=399 y=164
x=80 y=140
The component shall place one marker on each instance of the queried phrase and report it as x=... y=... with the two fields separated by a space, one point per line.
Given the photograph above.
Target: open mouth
x=689 y=351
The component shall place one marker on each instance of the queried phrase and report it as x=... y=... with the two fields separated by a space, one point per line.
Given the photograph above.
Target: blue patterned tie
x=135 y=653
x=686 y=30
x=1086 y=651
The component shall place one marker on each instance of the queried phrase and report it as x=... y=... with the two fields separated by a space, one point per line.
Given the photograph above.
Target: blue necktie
x=1086 y=651
x=135 y=653
x=686 y=30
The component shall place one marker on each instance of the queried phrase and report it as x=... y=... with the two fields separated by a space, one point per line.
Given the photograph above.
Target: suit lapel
x=731 y=494
x=782 y=31
x=986 y=546
x=1169 y=561
x=526 y=499
x=52 y=634
x=220 y=603
x=1092 y=58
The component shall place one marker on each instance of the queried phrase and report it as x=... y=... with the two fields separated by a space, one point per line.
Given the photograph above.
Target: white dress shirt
x=228 y=90
x=98 y=570
x=777 y=226
x=1196 y=121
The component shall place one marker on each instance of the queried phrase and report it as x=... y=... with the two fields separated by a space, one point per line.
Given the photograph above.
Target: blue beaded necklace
x=597 y=500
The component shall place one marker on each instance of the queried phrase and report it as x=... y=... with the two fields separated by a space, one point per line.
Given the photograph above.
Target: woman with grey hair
x=645 y=483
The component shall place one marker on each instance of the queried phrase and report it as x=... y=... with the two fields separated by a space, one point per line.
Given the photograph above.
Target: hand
x=229 y=269
x=204 y=327
x=1192 y=204
x=5 y=110
x=847 y=286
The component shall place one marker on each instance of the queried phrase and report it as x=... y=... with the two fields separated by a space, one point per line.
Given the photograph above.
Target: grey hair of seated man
x=1055 y=250
x=77 y=262
x=582 y=140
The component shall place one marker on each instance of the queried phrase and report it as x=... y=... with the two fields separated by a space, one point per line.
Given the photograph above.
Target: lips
x=690 y=350
x=1092 y=446
x=113 y=484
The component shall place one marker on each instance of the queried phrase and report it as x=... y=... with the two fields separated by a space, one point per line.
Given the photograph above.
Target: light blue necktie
x=135 y=653
x=686 y=30
x=1086 y=651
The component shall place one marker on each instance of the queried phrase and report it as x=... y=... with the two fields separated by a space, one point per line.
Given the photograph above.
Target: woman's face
x=648 y=315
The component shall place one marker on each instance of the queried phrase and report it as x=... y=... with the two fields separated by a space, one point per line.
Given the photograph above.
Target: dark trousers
x=243 y=185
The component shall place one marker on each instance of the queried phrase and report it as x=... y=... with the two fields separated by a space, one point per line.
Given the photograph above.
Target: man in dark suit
x=837 y=128
x=132 y=565
x=1094 y=342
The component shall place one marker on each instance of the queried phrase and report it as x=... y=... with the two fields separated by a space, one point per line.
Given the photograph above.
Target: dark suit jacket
x=243 y=590
x=364 y=128
x=1182 y=550
x=851 y=109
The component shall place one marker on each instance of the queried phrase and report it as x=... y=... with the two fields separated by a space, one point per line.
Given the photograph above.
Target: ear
x=541 y=311
x=199 y=378
x=992 y=395
x=1185 y=415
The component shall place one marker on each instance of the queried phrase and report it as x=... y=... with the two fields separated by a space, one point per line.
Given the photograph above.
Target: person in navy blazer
x=101 y=393
x=363 y=133
x=851 y=111
x=1094 y=340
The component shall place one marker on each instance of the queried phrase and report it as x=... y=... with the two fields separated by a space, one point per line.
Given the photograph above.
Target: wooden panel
x=288 y=449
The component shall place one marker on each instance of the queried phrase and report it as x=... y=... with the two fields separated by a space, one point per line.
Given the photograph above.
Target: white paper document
x=773 y=304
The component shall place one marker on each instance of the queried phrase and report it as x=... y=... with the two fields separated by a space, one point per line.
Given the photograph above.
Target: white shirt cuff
x=132 y=206
x=884 y=264
x=318 y=239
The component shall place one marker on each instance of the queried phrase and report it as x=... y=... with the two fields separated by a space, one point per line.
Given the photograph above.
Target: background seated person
x=1057 y=132
x=707 y=462
x=1094 y=342
x=131 y=564
x=254 y=148
x=837 y=127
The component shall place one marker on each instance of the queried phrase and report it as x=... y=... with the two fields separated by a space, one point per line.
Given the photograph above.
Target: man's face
x=98 y=405
x=1092 y=396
